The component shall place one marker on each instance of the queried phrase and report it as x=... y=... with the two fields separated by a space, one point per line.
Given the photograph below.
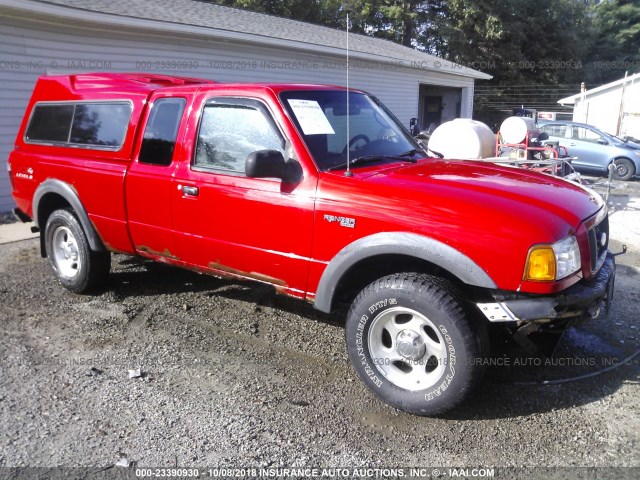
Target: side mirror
x=602 y=141
x=542 y=136
x=271 y=164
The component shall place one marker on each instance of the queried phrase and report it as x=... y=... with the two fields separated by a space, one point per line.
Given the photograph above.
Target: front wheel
x=623 y=169
x=76 y=266
x=412 y=343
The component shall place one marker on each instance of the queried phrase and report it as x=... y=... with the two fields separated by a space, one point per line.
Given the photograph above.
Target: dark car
x=595 y=150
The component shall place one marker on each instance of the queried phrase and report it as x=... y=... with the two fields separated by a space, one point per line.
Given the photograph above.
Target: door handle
x=189 y=191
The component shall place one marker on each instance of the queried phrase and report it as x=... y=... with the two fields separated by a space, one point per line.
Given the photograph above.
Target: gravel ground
x=7 y=217
x=232 y=374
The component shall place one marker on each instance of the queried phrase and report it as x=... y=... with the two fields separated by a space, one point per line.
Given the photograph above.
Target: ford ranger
x=320 y=192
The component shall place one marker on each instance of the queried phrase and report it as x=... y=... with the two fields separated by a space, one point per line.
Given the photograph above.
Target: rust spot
x=252 y=275
x=166 y=253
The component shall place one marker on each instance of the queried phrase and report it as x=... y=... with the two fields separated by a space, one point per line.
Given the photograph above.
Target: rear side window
x=161 y=131
x=89 y=125
x=50 y=123
x=100 y=124
x=555 y=130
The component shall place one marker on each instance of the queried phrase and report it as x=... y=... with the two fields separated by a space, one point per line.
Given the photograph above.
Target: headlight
x=547 y=263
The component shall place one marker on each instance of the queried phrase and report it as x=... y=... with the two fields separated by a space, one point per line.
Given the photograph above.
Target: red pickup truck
x=328 y=200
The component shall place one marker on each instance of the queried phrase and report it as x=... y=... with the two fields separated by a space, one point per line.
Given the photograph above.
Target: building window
x=230 y=130
x=161 y=131
x=89 y=125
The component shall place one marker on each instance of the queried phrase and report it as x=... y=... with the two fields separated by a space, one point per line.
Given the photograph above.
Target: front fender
x=397 y=243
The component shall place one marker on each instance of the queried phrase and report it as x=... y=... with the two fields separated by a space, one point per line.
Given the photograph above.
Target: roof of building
x=203 y=18
x=572 y=99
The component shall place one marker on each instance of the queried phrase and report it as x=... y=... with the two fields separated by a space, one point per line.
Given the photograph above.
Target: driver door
x=226 y=222
x=590 y=147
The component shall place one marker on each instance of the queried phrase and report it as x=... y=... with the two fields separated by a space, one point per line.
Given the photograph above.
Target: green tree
x=616 y=49
x=518 y=41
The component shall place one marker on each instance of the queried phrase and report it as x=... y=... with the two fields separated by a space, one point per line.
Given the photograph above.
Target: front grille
x=598 y=247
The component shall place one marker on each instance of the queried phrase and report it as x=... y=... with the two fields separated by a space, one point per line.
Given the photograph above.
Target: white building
x=194 y=38
x=613 y=108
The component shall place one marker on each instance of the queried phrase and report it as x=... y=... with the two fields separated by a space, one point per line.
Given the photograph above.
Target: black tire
x=422 y=303
x=624 y=169
x=75 y=265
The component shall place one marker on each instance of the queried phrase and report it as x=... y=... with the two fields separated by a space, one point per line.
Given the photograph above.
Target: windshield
x=622 y=141
x=611 y=138
x=321 y=119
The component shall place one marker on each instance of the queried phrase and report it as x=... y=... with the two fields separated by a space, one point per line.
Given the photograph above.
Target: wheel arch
x=53 y=194
x=371 y=257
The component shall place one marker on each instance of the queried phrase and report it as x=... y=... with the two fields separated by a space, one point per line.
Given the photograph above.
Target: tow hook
x=624 y=250
x=521 y=334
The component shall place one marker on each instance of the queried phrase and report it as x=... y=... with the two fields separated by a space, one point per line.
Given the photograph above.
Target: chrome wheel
x=65 y=252
x=407 y=348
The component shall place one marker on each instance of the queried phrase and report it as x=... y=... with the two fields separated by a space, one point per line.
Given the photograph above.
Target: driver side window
x=586 y=135
x=231 y=129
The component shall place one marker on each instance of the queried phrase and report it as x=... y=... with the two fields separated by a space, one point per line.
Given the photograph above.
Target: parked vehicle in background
x=594 y=149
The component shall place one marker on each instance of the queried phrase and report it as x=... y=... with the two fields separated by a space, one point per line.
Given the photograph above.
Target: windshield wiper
x=408 y=153
x=403 y=157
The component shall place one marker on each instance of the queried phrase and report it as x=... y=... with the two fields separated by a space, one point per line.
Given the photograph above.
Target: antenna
x=348 y=172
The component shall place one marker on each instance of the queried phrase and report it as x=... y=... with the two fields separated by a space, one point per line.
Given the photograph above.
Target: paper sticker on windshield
x=311 y=118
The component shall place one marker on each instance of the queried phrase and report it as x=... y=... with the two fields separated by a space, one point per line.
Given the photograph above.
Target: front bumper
x=583 y=299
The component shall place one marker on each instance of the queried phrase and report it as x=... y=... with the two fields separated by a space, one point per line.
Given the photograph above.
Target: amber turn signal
x=541 y=264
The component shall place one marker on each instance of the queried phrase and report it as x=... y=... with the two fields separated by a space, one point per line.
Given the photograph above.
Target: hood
x=492 y=214
x=632 y=145
x=483 y=186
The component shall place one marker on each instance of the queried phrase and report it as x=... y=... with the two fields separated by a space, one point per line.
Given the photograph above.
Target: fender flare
x=397 y=243
x=67 y=192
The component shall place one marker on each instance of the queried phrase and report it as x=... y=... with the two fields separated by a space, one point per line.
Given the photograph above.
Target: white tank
x=515 y=129
x=463 y=138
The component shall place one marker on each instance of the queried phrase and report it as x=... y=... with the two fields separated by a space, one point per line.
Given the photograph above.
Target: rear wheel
x=413 y=345
x=623 y=169
x=76 y=266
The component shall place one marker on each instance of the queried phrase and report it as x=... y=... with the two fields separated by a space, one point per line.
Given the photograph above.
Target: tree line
x=542 y=42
